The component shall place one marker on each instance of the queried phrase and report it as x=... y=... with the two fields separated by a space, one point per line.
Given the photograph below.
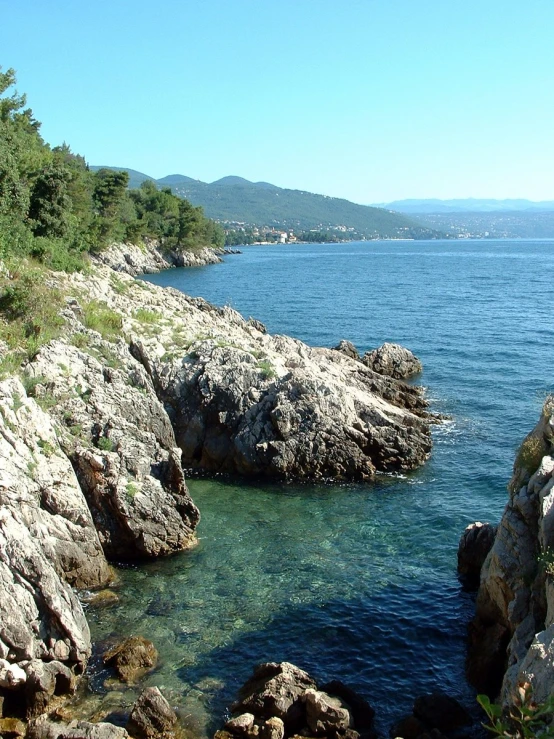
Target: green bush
x=524 y=720
x=98 y=316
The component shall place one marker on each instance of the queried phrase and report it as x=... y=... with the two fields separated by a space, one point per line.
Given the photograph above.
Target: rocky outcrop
x=475 y=544
x=151 y=257
x=280 y=700
x=43 y=728
x=393 y=360
x=514 y=625
x=121 y=444
x=245 y=402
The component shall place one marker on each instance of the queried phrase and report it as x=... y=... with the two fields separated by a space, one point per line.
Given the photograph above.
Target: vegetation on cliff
x=54 y=209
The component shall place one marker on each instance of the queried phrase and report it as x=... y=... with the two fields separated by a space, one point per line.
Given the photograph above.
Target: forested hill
x=236 y=200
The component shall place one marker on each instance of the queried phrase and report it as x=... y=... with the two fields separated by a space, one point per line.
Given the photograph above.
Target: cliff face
x=514 y=624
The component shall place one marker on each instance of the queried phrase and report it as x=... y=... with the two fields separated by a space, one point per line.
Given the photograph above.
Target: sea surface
x=356 y=582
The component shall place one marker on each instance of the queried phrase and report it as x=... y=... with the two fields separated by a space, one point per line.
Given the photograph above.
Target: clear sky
x=370 y=100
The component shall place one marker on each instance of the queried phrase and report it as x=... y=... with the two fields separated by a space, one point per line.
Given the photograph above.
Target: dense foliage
x=53 y=208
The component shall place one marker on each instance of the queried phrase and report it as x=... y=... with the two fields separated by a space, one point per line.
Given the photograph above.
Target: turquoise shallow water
x=356 y=581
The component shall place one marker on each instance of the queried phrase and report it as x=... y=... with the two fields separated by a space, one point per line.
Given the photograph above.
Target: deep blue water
x=356 y=581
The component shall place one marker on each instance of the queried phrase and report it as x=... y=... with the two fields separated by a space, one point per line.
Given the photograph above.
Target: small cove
x=355 y=582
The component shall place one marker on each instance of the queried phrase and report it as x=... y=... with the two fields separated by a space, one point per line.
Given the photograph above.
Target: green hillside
x=262 y=204
x=236 y=200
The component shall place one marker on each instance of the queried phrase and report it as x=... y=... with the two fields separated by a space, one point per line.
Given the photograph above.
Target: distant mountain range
x=236 y=200
x=467 y=205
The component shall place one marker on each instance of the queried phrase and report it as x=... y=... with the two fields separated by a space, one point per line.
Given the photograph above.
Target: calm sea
x=356 y=582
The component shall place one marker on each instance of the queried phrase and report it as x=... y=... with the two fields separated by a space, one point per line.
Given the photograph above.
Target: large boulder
x=393 y=360
x=275 y=689
x=151 y=717
x=326 y=713
x=475 y=544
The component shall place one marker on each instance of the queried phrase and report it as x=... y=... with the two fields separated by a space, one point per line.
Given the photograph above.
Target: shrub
x=267 y=369
x=105 y=444
x=98 y=316
x=524 y=720
x=147 y=316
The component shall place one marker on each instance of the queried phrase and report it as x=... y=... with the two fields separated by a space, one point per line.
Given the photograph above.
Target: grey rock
x=325 y=713
x=275 y=689
x=43 y=728
x=37 y=482
x=151 y=716
x=240 y=724
x=45 y=681
x=304 y=421
x=134 y=260
x=393 y=360
x=252 y=404
x=40 y=616
x=475 y=544
x=347 y=348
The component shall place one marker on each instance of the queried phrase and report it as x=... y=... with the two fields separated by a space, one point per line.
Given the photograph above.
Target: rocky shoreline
x=95 y=433
x=150 y=257
x=94 y=437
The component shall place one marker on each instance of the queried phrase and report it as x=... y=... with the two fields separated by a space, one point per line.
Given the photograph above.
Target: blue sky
x=370 y=100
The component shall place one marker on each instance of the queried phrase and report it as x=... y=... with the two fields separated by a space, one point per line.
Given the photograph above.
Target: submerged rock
x=132 y=658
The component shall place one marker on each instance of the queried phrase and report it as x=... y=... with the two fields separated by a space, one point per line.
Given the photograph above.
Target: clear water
x=356 y=582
